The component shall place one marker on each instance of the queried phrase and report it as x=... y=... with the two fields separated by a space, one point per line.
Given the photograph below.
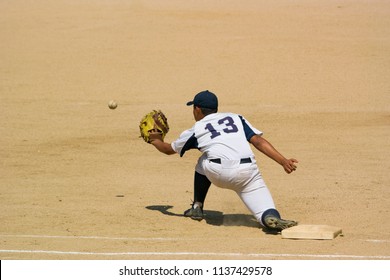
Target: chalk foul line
x=316 y=256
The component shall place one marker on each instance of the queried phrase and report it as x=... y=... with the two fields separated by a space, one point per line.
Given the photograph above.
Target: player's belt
x=243 y=160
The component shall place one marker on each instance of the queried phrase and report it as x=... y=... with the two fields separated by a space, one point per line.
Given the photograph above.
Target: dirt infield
x=77 y=182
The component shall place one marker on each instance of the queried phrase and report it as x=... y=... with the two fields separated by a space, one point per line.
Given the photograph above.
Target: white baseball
x=112 y=104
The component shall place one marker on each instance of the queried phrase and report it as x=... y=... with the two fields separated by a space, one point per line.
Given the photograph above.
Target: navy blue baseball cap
x=205 y=99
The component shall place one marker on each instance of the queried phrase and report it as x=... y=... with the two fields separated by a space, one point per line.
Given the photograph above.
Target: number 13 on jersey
x=227 y=123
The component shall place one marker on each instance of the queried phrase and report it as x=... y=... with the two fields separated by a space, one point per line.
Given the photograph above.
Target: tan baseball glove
x=154 y=122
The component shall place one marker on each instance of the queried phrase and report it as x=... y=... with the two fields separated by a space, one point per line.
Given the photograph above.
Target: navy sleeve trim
x=192 y=143
x=249 y=133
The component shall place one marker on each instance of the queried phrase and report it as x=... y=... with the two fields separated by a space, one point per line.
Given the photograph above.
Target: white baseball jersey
x=218 y=135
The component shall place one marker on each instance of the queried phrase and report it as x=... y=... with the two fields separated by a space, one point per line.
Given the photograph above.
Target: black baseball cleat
x=194 y=213
x=278 y=224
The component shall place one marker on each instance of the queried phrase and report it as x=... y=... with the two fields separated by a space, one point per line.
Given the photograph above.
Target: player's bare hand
x=289 y=165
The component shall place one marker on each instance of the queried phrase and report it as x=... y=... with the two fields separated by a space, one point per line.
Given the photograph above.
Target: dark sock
x=201 y=187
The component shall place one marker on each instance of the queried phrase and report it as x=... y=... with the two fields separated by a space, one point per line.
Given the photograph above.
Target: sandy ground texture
x=77 y=182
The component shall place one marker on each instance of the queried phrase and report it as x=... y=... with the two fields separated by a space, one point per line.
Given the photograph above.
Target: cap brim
x=189 y=103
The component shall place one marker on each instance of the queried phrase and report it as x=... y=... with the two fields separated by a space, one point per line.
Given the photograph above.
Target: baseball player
x=227 y=160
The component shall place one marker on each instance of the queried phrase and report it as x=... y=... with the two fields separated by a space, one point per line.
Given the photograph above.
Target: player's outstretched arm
x=165 y=148
x=261 y=144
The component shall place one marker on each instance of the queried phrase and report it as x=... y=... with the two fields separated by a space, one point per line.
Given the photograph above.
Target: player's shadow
x=215 y=218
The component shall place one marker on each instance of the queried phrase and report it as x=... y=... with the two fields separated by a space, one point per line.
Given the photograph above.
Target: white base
x=311 y=232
